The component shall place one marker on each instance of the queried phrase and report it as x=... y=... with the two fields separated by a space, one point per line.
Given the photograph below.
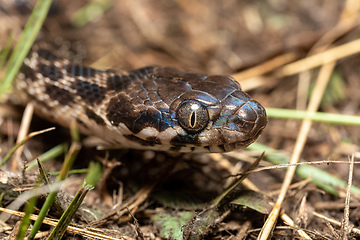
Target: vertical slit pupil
x=193 y=119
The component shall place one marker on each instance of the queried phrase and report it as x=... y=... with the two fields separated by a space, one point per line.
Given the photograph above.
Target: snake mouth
x=227 y=147
x=253 y=139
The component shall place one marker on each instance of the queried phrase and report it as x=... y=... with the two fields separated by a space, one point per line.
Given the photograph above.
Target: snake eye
x=192 y=116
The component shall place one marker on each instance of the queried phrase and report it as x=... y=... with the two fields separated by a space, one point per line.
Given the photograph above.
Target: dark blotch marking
x=80 y=122
x=150 y=118
x=80 y=71
x=120 y=111
x=51 y=72
x=74 y=70
x=176 y=148
x=118 y=82
x=151 y=141
x=46 y=54
x=222 y=147
x=91 y=71
x=92 y=115
x=28 y=72
x=179 y=140
x=154 y=140
x=89 y=92
x=136 y=118
x=64 y=97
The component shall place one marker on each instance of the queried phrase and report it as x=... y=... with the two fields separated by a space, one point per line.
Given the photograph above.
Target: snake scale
x=157 y=108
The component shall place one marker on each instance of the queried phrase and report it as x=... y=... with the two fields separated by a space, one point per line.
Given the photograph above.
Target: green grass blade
x=68 y=214
x=1 y=197
x=50 y=154
x=94 y=173
x=319 y=177
x=5 y=52
x=26 y=40
x=25 y=222
x=72 y=171
x=89 y=12
x=318 y=117
x=45 y=208
x=68 y=162
x=12 y=150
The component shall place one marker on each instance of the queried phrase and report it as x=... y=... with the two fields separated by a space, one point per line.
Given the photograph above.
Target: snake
x=150 y=108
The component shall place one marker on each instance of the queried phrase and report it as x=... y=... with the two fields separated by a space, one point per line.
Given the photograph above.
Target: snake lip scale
x=157 y=108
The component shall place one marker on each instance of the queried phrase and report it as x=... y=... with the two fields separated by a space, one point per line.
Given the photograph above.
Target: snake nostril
x=240 y=122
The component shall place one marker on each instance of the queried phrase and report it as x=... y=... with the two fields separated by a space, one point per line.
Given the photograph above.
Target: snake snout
x=250 y=119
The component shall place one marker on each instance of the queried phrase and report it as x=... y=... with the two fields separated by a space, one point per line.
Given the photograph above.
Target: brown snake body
x=156 y=108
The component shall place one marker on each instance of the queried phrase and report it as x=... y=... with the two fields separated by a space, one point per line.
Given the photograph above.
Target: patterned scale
x=158 y=108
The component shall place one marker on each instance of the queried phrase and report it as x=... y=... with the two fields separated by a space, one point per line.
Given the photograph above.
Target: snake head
x=173 y=110
x=213 y=125
x=243 y=127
